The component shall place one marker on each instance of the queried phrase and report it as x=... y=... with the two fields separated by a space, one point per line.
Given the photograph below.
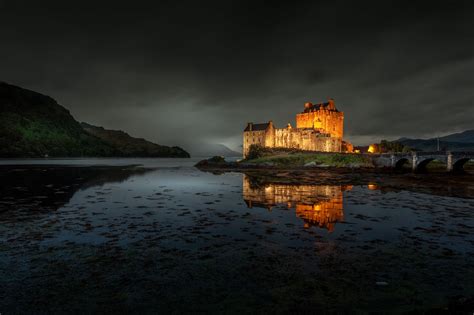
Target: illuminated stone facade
x=320 y=127
x=320 y=206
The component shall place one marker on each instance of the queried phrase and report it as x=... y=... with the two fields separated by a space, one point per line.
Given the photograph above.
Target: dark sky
x=177 y=73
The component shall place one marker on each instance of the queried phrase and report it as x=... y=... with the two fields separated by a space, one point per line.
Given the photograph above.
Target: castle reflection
x=316 y=205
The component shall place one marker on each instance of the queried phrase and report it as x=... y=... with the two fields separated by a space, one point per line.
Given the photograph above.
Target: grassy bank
x=312 y=160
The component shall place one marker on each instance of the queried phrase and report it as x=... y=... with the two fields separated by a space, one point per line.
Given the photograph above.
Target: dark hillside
x=35 y=125
x=130 y=146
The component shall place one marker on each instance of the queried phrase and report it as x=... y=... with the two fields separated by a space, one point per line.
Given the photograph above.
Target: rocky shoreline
x=438 y=183
x=218 y=162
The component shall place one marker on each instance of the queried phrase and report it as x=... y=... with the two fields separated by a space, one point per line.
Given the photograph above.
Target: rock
x=381 y=283
x=310 y=164
x=354 y=165
x=323 y=165
x=215 y=160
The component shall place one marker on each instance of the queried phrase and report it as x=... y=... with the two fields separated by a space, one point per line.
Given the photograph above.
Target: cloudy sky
x=179 y=73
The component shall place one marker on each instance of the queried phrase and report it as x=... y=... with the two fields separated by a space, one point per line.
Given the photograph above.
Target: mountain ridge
x=460 y=141
x=466 y=136
x=35 y=125
x=131 y=146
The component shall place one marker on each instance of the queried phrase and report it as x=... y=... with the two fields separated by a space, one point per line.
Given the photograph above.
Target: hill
x=462 y=137
x=35 y=125
x=432 y=145
x=130 y=146
x=463 y=141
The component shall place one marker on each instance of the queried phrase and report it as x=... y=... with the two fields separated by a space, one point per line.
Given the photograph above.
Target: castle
x=318 y=128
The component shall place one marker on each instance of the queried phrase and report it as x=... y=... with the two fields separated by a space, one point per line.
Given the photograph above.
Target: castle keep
x=318 y=128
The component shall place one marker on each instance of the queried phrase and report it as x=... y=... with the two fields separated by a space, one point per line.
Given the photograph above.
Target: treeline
x=389 y=146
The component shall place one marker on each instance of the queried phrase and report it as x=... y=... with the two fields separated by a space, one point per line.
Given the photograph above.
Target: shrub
x=255 y=151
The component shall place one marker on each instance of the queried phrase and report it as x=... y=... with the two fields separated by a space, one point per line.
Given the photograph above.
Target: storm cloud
x=182 y=73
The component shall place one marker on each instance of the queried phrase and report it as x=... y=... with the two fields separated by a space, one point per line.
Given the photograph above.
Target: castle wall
x=253 y=137
x=330 y=121
x=302 y=139
x=270 y=136
x=306 y=139
x=284 y=138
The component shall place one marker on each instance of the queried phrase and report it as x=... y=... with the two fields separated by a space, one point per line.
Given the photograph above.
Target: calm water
x=171 y=238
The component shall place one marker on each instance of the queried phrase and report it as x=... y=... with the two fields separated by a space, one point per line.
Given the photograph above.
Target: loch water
x=100 y=235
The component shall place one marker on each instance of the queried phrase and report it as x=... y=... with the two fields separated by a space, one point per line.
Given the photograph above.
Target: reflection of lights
x=356 y=151
x=372 y=186
x=316 y=205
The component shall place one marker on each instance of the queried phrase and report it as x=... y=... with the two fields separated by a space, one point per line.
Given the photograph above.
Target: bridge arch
x=459 y=164
x=421 y=164
x=400 y=162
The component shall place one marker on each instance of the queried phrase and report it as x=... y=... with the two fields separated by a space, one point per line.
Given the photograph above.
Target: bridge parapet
x=419 y=160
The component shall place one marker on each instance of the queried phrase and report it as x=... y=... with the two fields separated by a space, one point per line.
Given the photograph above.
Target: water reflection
x=31 y=190
x=177 y=240
x=316 y=205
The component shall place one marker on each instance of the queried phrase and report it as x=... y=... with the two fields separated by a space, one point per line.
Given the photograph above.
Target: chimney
x=249 y=126
x=331 y=104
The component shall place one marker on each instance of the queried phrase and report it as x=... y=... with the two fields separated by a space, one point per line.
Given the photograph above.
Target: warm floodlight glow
x=372 y=186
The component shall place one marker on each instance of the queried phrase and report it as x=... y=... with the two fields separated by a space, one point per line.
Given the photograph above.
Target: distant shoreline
x=94 y=157
x=314 y=161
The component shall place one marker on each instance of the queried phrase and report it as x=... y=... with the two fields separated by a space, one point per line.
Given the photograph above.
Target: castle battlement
x=319 y=127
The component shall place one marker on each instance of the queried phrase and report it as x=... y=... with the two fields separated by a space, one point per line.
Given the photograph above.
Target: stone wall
x=253 y=137
x=306 y=139
x=303 y=139
x=330 y=121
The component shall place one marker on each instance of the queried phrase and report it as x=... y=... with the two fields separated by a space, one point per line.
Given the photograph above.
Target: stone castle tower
x=320 y=127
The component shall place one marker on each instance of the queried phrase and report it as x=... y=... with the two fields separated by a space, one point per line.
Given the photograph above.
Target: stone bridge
x=418 y=160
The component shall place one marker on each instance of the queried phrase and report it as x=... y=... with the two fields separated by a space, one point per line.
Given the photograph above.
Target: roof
x=257 y=127
x=321 y=104
x=318 y=106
